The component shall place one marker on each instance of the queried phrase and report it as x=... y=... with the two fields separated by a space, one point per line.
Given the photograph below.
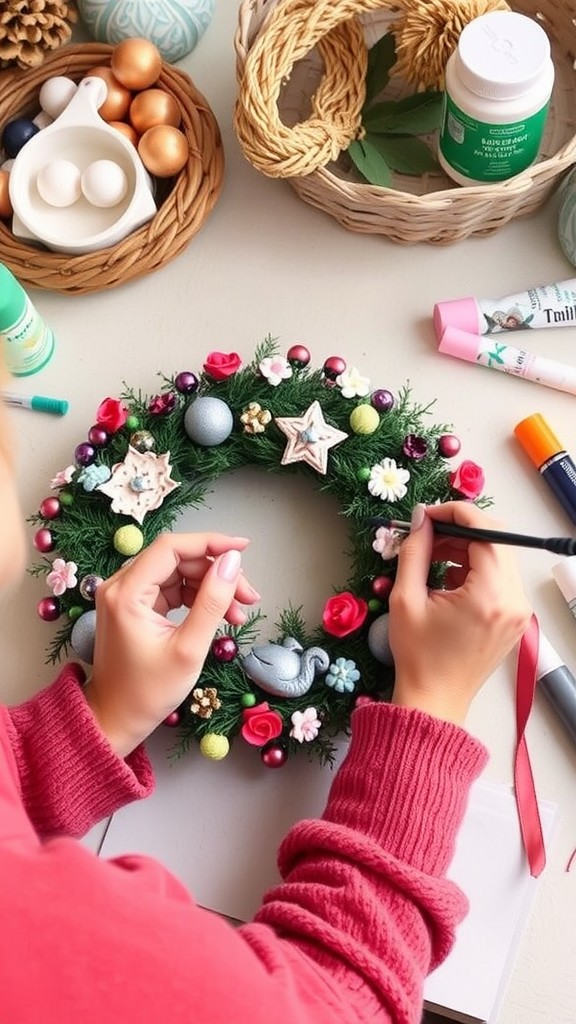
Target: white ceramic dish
x=82 y=136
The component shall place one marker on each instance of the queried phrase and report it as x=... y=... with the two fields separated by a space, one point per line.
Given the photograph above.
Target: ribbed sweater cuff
x=405 y=782
x=70 y=776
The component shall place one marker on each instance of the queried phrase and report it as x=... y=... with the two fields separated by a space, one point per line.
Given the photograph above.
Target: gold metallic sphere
x=118 y=100
x=5 y=204
x=126 y=130
x=137 y=63
x=163 y=150
x=154 y=106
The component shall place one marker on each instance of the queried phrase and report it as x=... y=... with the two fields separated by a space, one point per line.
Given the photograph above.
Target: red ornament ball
x=333 y=367
x=449 y=446
x=49 y=609
x=98 y=435
x=43 y=540
x=224 y=648
x=298 y=355
x=274 y=755
x=173 y=719
x=50 y=508
x=381 y=587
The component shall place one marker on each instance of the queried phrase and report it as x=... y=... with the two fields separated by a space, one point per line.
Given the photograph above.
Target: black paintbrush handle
x=558 y=545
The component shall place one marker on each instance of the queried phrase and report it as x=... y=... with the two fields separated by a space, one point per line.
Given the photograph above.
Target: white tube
x=547 y=305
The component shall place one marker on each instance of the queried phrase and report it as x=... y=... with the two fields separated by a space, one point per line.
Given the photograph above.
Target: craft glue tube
x=27 y=342
x=558 y=684
x=565 y=575
x=547 y=305
x=497 y=355
x=553 y=462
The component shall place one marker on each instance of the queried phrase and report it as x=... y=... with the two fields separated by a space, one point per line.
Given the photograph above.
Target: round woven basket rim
x=180 y=214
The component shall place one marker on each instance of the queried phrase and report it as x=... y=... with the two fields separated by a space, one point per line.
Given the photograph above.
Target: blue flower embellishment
x=342 y=676
x=92 y=476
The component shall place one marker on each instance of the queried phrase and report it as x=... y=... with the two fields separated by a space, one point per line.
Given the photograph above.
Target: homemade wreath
x=145 y=459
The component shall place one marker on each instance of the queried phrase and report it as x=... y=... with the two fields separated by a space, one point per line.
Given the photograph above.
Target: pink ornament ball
x=98 y=436
x=49 y=609
x=298 y=355
x=333 y=367
x=274 y=756
x=224 y=648
x=449 y=445
x=381 y=587
x=50 y=508
x=43 y=540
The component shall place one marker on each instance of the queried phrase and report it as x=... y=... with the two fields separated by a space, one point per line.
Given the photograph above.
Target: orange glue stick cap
x=537 y=439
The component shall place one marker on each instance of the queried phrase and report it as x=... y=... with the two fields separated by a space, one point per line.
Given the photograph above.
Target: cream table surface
x=266 y=263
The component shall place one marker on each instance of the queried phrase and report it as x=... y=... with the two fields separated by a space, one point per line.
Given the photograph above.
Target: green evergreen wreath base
x=83 y=529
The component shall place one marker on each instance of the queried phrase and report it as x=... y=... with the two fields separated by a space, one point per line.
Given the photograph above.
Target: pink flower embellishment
x=305 y=725
x=62 y=576
x=387 y=542
x=63 y=477
x=275 y=369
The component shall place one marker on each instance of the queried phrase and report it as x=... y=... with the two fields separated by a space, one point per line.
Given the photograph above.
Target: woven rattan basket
x=290 y=62
x=182 y=210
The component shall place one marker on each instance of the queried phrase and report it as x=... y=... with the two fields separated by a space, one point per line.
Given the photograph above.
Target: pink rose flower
x=111 y=414
x=261 y=724
x=467 y=479
x=343 y=614
x=220 y=365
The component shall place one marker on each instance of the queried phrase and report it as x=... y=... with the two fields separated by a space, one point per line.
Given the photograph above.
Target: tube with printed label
x=27 y=342
x=546 y=305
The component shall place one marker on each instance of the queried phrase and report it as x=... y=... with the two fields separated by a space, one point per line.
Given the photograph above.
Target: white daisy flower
x=353 y=384
x=388 y=480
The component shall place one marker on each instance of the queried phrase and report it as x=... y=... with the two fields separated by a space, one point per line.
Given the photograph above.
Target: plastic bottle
x=27 y=342
x=498 y=85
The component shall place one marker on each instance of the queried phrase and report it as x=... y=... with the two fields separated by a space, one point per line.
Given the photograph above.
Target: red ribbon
x=526 y=802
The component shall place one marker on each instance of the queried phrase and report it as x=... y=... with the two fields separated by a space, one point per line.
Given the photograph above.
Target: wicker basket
x=180 y=215
x=430 y=208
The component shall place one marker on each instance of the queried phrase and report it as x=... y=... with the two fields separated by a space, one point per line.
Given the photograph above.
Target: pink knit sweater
x=364 y=911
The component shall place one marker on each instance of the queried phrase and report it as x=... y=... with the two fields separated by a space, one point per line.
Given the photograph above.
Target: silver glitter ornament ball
x=208 y=421
x=83 y=636
x=378 y=643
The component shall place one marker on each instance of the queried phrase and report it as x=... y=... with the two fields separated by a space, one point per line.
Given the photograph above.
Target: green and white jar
x=498 y=86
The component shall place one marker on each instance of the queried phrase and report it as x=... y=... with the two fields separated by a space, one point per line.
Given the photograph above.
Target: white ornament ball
x=208 y=421
x=83 y=635
x=55 y=94
x=58 y=183
x=104 y=183
x=378 y=643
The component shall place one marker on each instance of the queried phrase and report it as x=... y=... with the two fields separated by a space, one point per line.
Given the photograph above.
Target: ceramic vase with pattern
x=174 y=26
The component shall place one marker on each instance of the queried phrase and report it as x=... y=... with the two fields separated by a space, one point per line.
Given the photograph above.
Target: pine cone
x=29 y=28
x=205 y=701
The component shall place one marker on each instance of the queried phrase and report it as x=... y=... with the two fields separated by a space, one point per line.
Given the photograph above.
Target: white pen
x=39 y=403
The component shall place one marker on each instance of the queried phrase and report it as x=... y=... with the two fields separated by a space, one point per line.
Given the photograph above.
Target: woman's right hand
x=446 y=643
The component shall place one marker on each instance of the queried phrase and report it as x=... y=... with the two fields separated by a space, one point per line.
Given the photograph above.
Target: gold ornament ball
x=128 y=540
x=163 y=150
x=154 y=106
x=5 y=204
x=117 y=102
x=214 y=746
x=137 y=63
x=364 y=419
x=126 y=130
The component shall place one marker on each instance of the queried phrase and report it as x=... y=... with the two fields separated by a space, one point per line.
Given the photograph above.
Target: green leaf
x=370 y=163
x=402 y=153
x=414 y=115
x=381 y=57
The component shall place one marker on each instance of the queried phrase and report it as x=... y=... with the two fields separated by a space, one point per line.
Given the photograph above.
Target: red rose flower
x=344 y=613
x=220 y=365
x=111 y=414
x=261 y=724
x=468 y=479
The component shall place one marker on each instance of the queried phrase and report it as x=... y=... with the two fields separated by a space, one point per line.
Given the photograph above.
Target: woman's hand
x=446 y=643
x=145 y=664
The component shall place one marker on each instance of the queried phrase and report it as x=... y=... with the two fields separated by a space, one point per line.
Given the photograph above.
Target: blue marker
x=56 y=406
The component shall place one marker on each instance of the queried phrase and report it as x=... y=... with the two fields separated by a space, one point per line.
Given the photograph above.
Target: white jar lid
x=502 y=54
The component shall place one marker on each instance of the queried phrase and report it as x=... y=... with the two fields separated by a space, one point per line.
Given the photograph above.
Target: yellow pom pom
x=214 y=746
x=364 y=419
x=128 y=540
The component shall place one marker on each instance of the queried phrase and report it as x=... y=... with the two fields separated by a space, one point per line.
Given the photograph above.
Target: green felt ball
x=66 y=498
x=128 y=540
x=364 y=419
x=75 y=612
x=214 y=746
x=132 y=422
x=248 y=700
x=363 y=474
x=374 y=605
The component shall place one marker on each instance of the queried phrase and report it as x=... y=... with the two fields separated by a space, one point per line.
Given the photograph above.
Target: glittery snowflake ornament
x=140 y=483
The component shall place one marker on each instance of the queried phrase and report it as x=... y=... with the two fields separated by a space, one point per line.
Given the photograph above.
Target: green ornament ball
x=214 y=746
x=75 y=612
x=374 y=605
x=364 y=419
x=248 y=700
x=363 y=474
x=128 y=540
x=132 y=422
x=66 y=498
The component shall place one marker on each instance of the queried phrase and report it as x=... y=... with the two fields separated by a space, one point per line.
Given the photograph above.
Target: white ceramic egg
x=58 y=183
x=7 y=165
x=42 y=120
x=55 y=94
x=104 y=183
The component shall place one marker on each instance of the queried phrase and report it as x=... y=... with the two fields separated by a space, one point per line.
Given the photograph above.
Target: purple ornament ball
x=449 y=446
x=85 y=454
x=16 y=134
x=274 y=756
x=98 y=436
x=174 y=718
x=49 y=609
x=298 y=355
x=333 y=367
x=50 y=508
x=186 y=383
x=224 y=648
x=43 y=540
x=382 y=400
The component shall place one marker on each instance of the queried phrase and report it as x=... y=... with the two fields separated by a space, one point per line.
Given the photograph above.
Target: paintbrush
x=559 y=545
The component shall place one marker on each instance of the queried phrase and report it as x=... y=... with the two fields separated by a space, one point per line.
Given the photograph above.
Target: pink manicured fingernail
x=418 y=517
x=229 y=566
